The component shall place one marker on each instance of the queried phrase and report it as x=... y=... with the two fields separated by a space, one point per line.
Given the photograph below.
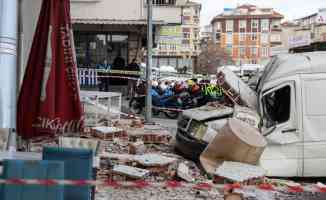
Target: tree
x=211 y=57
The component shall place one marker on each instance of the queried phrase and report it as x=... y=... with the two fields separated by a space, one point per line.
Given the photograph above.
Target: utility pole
x=148 y=115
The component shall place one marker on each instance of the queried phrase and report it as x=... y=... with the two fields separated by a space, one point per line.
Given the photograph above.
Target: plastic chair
x=18 y=169
x=78 y=166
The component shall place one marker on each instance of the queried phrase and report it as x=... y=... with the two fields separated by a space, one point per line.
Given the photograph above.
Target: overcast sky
x=291 y=9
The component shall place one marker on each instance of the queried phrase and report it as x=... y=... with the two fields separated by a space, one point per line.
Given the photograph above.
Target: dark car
x=190 y=126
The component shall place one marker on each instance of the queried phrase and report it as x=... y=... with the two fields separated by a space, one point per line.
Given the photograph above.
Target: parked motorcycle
x=164 y=101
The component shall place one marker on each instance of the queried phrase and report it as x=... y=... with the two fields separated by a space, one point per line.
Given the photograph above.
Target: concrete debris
x=233 y=143
x=151 y=160
x=235 y=89
x=208 y=112
x=247 y=115
x=184 y=173
x=239 y=172
x=137 y=148
x=131 y=172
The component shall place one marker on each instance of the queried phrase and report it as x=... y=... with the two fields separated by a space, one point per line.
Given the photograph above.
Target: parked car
x=291 y=101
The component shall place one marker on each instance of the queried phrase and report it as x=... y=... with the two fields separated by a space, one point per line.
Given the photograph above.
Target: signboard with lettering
x=301 y=39
x=174 y=31
x=321 y=17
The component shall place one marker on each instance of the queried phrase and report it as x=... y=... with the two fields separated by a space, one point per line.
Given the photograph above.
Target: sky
x=291 y=9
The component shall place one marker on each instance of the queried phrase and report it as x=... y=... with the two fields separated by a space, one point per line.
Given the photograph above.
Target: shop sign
x=300 y=40
x=321 y=17
x=171 y=31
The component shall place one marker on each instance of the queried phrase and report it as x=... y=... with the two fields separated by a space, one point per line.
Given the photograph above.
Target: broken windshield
x=277 y=106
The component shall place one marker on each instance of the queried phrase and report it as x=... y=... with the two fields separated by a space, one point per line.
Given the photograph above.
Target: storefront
x=101 y=49
x=107 y=44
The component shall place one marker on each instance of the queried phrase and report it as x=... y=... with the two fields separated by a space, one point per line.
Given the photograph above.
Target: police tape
x=167 y=109
x=142 y=184
x=120 y=77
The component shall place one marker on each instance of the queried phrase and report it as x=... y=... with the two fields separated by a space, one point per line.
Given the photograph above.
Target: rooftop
x=250 y=11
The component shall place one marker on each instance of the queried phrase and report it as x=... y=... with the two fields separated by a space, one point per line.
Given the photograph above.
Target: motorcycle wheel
x=135 y=106
x=171 y=114
x=155 y=112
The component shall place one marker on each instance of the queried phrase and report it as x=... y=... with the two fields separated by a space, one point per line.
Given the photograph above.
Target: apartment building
x=248 y=33
x=178 y=44
x=306 y=31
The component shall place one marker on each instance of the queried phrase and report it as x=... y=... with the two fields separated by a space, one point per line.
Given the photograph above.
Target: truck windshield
x=277 y=106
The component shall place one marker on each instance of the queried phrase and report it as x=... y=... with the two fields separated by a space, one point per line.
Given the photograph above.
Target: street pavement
x=170 y=124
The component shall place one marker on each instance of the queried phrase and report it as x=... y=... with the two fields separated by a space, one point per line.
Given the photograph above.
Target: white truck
x=291 y=98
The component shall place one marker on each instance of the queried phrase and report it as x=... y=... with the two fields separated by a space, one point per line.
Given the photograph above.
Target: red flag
x=49 y=99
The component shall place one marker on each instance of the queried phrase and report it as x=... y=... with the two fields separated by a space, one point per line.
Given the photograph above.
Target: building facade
x=248 y=33
x=306 y=31
x=178 y=44
x=107 y=29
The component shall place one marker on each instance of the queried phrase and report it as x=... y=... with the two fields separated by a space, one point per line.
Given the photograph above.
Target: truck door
x=283 y=155
x=314 y=125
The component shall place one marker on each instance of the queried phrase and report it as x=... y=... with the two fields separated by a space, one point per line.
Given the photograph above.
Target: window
x=276 y=106
x=229 y=38
x=94 y=50
x=276 y=38
x=243 y=25
x=218 y=37
x=264 y=38
x=254 y=25
x=254 y=51
x=254 y=36
x=163 y=2
x=229 y=26
x=265 y=52
x=242 y=37
x=218 y=26
x=242 y=51
x=264 y=25
x=228 y=49
x=186 y=35
x=253 y=61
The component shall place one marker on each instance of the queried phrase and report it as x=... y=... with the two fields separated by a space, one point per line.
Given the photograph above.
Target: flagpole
x=148 y=115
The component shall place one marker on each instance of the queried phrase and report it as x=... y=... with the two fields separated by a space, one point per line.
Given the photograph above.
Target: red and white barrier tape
x=321 y=188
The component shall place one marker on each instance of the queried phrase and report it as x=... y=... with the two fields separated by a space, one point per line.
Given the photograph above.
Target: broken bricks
x=137 y=147
x=108 y=133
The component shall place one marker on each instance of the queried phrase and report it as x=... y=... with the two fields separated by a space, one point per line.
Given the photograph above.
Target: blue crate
x=78 y=166
x=32 y=170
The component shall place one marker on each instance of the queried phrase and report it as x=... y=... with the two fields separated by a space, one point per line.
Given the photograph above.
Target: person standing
x=134 y=68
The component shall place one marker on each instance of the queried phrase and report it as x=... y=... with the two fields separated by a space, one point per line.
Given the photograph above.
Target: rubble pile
x=132 y=151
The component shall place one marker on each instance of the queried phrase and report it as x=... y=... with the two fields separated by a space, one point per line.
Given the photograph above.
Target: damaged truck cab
x=292 y=104
x=291 y=101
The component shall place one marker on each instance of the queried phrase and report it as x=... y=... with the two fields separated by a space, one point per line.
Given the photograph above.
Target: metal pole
x=8 y=63
x=148 y=116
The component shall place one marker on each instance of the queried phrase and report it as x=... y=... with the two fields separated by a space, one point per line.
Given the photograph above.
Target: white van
x=292 y=102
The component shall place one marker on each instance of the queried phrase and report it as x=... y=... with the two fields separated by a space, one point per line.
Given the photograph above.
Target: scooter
x=167 y=103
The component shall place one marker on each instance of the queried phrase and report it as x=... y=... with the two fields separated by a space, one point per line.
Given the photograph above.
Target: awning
x=114 y=22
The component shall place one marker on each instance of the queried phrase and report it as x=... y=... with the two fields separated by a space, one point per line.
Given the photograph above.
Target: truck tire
x=189 y=147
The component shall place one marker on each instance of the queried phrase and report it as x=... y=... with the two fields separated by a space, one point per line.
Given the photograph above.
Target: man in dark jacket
x=132 y=67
